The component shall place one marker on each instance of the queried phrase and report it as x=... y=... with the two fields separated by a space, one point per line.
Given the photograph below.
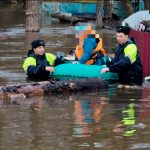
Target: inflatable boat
x=69 y=71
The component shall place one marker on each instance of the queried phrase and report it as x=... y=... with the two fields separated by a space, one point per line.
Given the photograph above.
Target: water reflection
x=114 y=116
x=100 y=121
x=127 y=114
x=37 y=125
x=126 y=127
x=86 y=113
x=77 y=121
x=129 y=119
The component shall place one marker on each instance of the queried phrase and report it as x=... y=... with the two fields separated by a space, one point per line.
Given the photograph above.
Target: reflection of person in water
x=124 y=102
x=126 y=127
x=129 y=112
x=86 y=113
x=129 y=119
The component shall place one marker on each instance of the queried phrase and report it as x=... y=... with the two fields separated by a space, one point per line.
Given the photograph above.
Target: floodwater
x=105 y=119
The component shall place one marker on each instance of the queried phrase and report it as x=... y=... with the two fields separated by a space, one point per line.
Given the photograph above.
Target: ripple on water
x=11 y=77
x=140 y=146
x=14 y=31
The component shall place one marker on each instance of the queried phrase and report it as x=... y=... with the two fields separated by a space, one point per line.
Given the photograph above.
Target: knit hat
x=37 y=43
x=123 y=29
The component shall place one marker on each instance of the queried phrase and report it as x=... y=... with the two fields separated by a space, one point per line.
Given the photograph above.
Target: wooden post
x=99 y=20
x=32 y=15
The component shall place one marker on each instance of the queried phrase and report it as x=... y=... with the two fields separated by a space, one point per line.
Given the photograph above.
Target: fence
x=142 y=40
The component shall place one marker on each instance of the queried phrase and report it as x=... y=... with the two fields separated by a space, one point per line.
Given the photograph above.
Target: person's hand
x=48 y=68
x=75 y=62
x=104 y=70
x=111 y=55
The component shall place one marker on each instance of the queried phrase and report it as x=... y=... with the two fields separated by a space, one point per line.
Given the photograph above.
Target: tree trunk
x=99 y=20
x=24 y=2
x=136 y=5
x=108 y=8
x=127 y=6
x=147 y=4
x=32 y=15
x=21 y=91
x=11 y=1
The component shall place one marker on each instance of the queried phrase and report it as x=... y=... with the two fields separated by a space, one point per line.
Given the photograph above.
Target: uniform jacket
x=127 y=64
x=34 y=65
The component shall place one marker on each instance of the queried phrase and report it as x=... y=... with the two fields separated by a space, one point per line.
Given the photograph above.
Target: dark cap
x=123 y=29
x=38 y=43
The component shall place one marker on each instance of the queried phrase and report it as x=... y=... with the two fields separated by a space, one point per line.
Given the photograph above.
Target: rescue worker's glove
x=108 y=61
x=59 y=58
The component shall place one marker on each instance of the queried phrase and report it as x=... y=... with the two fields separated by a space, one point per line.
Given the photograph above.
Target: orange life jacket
x=79 y=51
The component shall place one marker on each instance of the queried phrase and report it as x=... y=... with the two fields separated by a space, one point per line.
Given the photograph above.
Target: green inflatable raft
x=69 y=70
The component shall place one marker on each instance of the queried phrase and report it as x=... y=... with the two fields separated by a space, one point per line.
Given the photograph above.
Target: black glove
x=59 y=58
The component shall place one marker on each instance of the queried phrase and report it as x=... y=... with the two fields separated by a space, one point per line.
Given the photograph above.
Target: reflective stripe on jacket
x=31 y=61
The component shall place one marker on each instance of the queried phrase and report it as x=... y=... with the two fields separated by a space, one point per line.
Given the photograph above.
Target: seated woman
x=90 y=48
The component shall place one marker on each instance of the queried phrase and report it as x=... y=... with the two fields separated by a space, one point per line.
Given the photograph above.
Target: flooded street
x=113 y=119
x=58 y=37
x=106 y=119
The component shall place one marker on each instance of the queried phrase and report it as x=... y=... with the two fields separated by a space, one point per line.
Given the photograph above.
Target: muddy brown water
x=106 y=119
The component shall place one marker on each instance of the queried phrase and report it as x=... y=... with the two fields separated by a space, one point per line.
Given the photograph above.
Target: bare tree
x=108 y=8
x=127 y=6
x=11 y=1
x=32 y=15
x=99 y=20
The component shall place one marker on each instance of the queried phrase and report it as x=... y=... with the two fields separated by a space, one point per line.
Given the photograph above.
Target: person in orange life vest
x=90 y=48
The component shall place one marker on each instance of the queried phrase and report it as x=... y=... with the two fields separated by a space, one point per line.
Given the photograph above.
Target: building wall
x=72 y=8
x=82 y=7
